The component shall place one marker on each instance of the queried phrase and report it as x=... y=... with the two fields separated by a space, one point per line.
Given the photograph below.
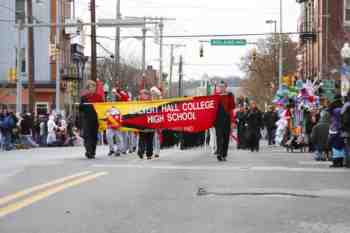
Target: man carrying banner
x=156 y=94
x=224 y=120
x=89 y=118
x=114 y=120
x=146 y=135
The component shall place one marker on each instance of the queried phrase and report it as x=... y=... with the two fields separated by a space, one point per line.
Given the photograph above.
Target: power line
x=8 y=8
x=209 y=64
x=189 y=36
x=7 y=21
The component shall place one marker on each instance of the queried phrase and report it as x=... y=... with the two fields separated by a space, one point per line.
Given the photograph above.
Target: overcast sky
x=194 y=17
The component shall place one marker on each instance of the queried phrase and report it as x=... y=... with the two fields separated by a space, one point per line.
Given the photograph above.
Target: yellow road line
x=44 y=194
x=22 y=193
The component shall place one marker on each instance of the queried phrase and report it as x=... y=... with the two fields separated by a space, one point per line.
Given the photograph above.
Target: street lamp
x=274 y=46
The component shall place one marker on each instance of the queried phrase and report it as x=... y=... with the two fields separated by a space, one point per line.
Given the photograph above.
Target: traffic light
x=254 y=55
x=201 y=51
x=11 y=76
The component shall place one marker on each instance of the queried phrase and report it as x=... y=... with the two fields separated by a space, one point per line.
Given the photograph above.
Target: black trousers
x=271 y=136
x=90 y=141
x=254 y=140
x=145 y=144
x=223 y=139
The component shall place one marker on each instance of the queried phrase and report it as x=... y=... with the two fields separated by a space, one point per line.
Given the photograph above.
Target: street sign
x=228 y=42
x=328 y=89
x=328 y=85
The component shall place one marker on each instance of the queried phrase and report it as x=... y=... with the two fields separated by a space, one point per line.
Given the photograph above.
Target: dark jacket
x=270 y=119
x=320 y=132
x=254 y=120
x=26 y=125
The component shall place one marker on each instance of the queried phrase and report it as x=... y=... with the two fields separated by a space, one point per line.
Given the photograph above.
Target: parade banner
x=190 y=114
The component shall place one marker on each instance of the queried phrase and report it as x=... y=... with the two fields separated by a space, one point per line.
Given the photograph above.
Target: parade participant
x=156 y=94
x=270 y=119
x=241 y=127
x=145 y=135
x=114 y=121
x=224 y=120
x=254 y=121
x=122 y=96
x=89 y=118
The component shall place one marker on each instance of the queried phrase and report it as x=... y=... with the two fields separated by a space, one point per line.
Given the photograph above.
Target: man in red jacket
x=89 y=118
x=223 y=121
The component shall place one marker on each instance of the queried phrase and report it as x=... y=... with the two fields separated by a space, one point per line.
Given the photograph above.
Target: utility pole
x=117 y=43
x=18 y=68
x=280 y=70
x=180 y=76
x=93 y=40
x=171 y=69
x=172 y=47
x=144 y=31
x=326 y=39
x=58 y=56
x=161 y=29
x=31 y=61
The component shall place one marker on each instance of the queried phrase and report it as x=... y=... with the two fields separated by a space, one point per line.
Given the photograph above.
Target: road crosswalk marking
x=223 y=168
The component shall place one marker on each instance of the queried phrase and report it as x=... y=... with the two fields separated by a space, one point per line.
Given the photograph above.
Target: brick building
x=324 y=27
x=44 y=62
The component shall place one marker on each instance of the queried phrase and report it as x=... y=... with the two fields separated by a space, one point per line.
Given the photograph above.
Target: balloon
x=311 y=98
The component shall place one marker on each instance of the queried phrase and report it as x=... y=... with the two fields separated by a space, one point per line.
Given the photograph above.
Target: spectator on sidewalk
x=319 y=137
x=26 y=131
x=336 y=140
x=7 y=124
x=51 y=131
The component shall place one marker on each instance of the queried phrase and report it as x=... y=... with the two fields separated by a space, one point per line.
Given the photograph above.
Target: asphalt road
x=57 y=190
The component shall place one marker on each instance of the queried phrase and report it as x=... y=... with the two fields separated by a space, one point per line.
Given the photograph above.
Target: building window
x=20 y=10
x=42 y=108
x=347 y=12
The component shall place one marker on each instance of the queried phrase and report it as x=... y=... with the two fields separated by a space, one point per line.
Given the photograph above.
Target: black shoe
x=156 y=156
x=111 y=153
x=89 y=155
x=117 y=154
x=220 y=158
x=149 y=157
x=140 y=156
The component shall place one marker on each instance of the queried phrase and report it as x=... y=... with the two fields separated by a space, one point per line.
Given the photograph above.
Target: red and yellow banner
x=190 y=114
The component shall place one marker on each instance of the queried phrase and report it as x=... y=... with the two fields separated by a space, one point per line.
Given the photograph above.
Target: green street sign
x=328 y=85
x=228 y=42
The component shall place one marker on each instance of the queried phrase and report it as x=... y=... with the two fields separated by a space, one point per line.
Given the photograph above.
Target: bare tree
x=261 y=71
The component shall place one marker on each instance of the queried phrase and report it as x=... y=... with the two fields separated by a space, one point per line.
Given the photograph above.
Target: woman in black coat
x=254 y=122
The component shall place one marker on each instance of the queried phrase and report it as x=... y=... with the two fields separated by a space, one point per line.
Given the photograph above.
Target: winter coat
x=26 y=126
x=270 y=119
x=319 y=134
x=345 y=117
x=51 y=134
x=254 y=120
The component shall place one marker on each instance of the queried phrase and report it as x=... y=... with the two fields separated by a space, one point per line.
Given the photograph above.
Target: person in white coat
x=51 y=130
